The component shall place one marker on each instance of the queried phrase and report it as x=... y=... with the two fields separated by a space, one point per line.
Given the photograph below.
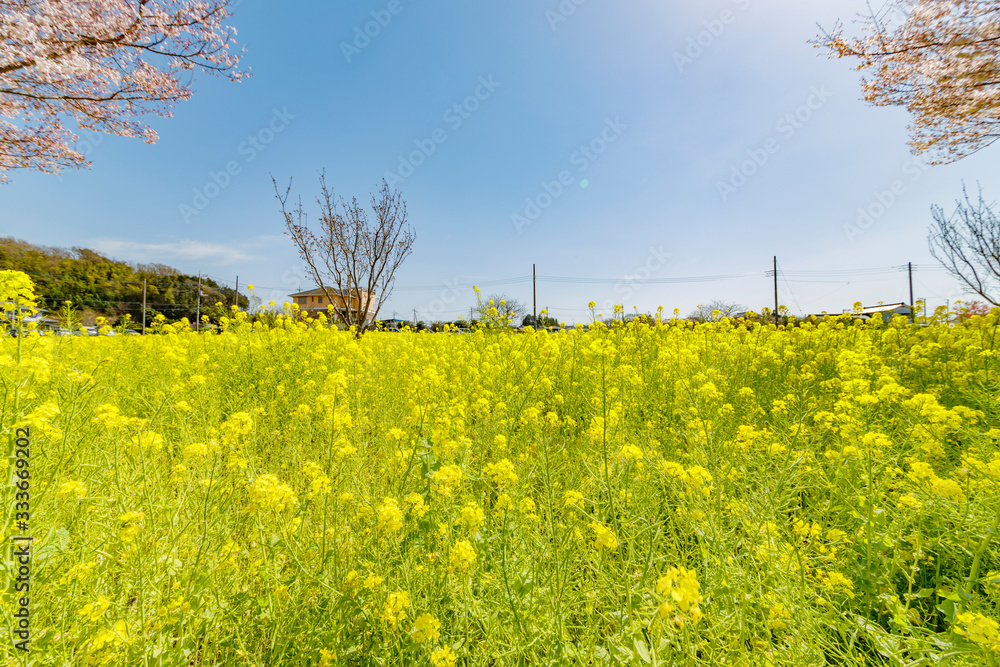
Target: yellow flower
x=631 y=453
x=145 y=442
x=319 y=486
x=502 y=472
x=776 y=616
x=395 y=608
x=117 y=634
x=696 y=479
x=351 y=581
x=571 y=498
x=980 y=629
x=131 y=524
x=92 y=611
x=947 y=488
x=390 y=517
x=71 y=490
x=196 y=450
x=79 y=573
x=503 y=503
x=268 y=493
x=680 y=588
x=837 y=582
x=604 y=537
x=426 y=628
x=418 y=507
x=444 y=657
x=445 y=479
x=472 y=516
x=463 y=555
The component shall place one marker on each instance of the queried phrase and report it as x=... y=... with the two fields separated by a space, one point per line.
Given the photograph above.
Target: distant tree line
x=109 y=287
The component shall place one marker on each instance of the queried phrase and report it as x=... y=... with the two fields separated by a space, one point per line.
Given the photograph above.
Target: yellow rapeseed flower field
x=647 y=493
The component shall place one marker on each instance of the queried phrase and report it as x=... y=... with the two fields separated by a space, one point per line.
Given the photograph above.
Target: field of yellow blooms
x=636 y=494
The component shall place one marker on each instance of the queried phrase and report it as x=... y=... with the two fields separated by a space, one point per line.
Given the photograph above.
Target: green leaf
x=948 y=594
x=624 y=653
x=56 y=543
x=948 y=609
x=640 y=648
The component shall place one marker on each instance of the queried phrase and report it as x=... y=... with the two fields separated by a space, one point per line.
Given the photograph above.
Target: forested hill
x=110 y=287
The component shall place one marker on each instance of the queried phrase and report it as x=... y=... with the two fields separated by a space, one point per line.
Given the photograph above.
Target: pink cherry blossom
x=101 y=66
x=941 y=62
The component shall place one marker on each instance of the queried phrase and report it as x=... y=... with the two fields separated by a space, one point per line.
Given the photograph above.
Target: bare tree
x=706 y=312
x=508 y=309
x=351 y=255
x=967 y=243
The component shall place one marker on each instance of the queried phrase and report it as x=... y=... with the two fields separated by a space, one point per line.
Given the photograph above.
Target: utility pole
x=414 y=318
x=909 y=266
x=534 y=300
x=197 y=317
x=775 y=290
x=143 y=306
x=237 y=298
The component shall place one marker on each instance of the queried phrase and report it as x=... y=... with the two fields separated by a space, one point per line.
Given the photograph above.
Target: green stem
x=977 y=561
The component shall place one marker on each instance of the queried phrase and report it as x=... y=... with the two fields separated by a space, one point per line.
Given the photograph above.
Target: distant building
x=886 y=310
x=41 y=319
x=394 y=324
x=315 y=301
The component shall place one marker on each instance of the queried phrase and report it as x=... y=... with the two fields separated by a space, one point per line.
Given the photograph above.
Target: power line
x=653 y=281
x=783 y=275
x=804 y=274
x=844 y=282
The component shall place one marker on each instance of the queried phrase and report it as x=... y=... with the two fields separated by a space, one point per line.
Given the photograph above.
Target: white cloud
x=165 y=253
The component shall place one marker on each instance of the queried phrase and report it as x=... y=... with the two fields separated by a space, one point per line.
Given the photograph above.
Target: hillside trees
x=110 y=288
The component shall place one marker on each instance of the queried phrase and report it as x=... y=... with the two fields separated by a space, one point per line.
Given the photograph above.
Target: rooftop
x=884 y=308
x=319 y=291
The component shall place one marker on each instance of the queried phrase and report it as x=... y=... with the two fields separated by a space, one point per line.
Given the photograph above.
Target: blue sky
x=602 y=143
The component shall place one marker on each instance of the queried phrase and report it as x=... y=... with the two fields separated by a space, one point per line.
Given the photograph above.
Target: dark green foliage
x=110 y=287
